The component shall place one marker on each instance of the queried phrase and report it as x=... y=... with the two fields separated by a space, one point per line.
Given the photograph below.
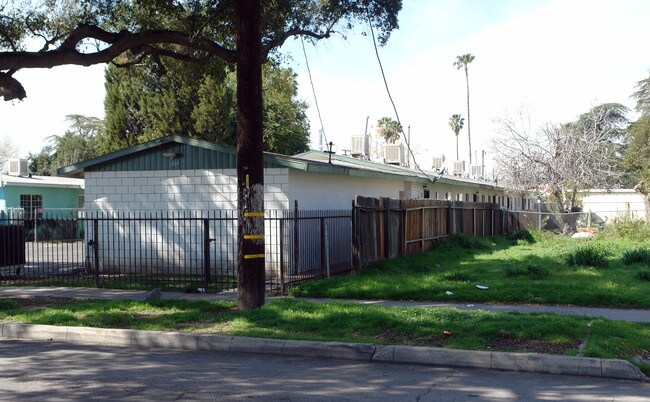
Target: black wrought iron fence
x=193 y=251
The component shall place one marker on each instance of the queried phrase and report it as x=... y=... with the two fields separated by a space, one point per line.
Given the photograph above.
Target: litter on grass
x=449 y=293
x=482 y=287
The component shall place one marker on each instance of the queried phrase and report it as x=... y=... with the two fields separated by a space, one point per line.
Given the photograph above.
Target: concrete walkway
x=532 y=362
x=632 y=315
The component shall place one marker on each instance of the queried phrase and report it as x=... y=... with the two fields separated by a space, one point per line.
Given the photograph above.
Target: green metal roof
x=190 y=154
x=201 y=154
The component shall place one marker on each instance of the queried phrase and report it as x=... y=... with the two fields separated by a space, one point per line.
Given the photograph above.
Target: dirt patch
x=390 y=337
x=531 y=346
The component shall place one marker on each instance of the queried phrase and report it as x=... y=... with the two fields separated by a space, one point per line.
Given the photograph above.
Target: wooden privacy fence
x=386 y=228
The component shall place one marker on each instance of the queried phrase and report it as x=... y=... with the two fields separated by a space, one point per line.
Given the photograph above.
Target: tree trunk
x=469 y=135
x=250 y=164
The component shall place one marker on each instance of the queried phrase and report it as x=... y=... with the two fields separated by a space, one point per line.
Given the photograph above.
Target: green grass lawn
x=351 y=322
x=545 y=269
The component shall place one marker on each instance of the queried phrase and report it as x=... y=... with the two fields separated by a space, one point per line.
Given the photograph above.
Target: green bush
x=629 y=228
x=640 y=254
x=587 y=255
x=643 y=274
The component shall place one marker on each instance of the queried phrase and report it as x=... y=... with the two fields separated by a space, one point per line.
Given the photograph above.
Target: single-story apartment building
x=153 y=190
x=180 y=173
x=25 y=195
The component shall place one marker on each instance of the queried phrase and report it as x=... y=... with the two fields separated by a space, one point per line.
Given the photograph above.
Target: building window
x=32 y=205
x=426 y=193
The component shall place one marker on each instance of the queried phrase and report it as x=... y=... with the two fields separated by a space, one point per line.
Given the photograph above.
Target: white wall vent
x=459 y=168
x=478 y=171
x=18 y=167
x=438 y=162
x=359 y=145
x=394 y=154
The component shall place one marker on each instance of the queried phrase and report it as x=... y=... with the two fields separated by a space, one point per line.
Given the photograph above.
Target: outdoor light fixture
x=170 y=154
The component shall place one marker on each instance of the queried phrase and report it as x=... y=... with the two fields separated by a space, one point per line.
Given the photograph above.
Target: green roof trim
x=177 y=152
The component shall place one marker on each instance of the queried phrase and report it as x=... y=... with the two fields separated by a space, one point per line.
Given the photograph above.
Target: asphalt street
x=47 y=371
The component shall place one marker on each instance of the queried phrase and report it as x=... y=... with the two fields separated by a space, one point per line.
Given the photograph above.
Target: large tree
x=198 y=101
x=562 y=159
x=239 y=32
x=463 y=61
x=77 y=144
x=8 y=150
x=389 y=129
x=456 y=123
x=637 y=155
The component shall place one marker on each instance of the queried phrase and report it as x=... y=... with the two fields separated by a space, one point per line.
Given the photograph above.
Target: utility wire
x=383 y=75
x=313 y=90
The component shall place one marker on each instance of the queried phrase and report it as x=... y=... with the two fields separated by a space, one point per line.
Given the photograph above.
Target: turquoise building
x=31 y=195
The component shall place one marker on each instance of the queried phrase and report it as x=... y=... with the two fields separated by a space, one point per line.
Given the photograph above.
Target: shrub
x=643 y=274
x=629 y=228
x=641 y=254
x=587 y=255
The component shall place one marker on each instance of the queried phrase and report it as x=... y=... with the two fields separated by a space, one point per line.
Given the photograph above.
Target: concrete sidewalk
x=632 y=315
x=554 y=364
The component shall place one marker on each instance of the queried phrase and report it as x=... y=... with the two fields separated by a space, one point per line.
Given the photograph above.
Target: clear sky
x=558 y=58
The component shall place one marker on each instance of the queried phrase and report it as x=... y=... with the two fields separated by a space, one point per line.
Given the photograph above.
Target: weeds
x=640 y=254
x=466 y=241
x=628 y=228
x=643 y=274
x=522 y=234
x=457 y=277
x=587 y=255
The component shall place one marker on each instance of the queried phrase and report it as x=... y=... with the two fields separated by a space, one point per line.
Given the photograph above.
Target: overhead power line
x=313 y=90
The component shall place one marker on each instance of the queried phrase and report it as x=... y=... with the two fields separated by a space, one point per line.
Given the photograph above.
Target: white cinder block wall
x=177 y=190
x=186 y=192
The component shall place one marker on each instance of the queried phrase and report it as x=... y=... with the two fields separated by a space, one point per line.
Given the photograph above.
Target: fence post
x=322 y=244
x=206 y=254
x=356 y=252
x=96 y=250
x=474 y=220
x=296 y=239
x=281 y=222
x=327 y=249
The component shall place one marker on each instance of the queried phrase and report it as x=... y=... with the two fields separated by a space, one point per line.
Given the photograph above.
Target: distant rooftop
x=41 y=181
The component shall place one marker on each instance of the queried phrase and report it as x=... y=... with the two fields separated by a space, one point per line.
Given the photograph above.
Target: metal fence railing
x=172 y=250
x=570 y=221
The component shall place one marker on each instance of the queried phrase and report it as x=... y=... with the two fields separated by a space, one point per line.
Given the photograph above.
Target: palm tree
x=462 y=62
x=456 y=123
x=389 y=129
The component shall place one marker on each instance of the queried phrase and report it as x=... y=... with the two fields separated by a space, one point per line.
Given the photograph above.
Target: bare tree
x=8 y=150
x=561 y=159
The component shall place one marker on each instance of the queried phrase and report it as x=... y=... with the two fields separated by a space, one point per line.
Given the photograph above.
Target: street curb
x=396 y=354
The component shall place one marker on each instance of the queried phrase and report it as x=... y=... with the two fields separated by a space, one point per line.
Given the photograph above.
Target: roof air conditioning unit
x=18 y=167
x=438 y=162
x=394 y=154
x=477 y=171
x=359 y=145
x=459 y=168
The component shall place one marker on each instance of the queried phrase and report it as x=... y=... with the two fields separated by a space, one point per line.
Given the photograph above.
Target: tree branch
x=119 y=42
